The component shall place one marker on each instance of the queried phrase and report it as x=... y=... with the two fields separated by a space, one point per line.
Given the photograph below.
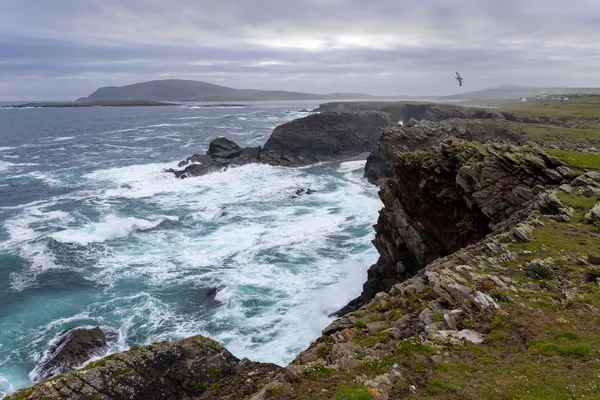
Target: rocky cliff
x=434 y=112
x=451 y=196
x=487 y=286
x=418 y=135
x=316 y=138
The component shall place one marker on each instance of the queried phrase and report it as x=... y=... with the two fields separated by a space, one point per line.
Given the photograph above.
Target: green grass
x=352 y=393
x=574 y=108
x=323 y=350
x=559 y=134
x=577 y=159
x=319 y=371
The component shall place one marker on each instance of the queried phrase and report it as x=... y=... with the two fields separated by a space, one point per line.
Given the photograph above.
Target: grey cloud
x=68 y=48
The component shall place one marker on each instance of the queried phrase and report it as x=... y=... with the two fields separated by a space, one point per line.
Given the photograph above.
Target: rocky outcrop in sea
x=304 y=141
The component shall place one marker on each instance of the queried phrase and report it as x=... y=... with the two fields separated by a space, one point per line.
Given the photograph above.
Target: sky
x=65 y=49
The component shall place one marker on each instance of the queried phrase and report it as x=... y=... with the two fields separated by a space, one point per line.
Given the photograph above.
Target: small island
x=103 y=103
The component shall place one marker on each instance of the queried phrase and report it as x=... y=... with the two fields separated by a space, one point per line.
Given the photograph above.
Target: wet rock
x=222 y=145
x=350 y=307
x=71 y=350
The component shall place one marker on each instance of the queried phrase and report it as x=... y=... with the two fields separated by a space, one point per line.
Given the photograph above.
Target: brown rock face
x=448 y=197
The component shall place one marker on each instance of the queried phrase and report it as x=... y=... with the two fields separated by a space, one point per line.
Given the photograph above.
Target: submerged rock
x=72 y=350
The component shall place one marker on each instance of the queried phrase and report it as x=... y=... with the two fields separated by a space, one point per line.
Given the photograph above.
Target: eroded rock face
x=448 y=197
x=192 y=368
x=71 y=351
x=419 y=135
x=304 y=141
x=320 y=137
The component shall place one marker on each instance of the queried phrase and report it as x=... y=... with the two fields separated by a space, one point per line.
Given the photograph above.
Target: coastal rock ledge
x=304 y=141
x=196 y=367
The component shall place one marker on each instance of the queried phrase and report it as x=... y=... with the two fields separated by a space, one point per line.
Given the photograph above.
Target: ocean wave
x=6 y=148
x=5 y=165
x=349 y=166
x=63 y=138
x=111 y=228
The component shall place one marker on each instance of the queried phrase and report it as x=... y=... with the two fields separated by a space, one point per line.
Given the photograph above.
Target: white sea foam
x=6 y=148
x=352 y=166
x=111 y=228
x=24 y=238
x=263 y=245
x=281 y=264
x=5 y=165
x=63 y=138
x=6 y=387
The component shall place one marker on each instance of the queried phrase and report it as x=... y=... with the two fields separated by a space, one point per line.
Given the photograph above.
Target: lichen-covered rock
x=195 y=367
x=444 y=198
x=420 y=135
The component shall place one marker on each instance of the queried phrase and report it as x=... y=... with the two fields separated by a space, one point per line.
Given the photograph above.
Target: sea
x=94 y=232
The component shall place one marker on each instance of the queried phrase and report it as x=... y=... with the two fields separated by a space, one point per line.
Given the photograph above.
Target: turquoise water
x=94 y=233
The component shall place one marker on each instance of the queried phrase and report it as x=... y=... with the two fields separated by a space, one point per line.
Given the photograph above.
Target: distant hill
x=185 y=90
x=515 y=92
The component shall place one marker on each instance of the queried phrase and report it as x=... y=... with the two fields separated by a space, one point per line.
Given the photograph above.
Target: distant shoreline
x=73 y=104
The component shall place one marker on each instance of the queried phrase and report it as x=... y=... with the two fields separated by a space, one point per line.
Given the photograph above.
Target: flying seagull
x=459 y=79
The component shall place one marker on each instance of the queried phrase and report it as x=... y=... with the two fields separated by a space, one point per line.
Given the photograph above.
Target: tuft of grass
x=561 y=347
x=346 y=392
x=360 y=324
x=320 y=371
x=438 y=386
x=323 y=350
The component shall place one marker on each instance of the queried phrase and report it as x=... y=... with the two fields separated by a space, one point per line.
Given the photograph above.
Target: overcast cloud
x=65 y=49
